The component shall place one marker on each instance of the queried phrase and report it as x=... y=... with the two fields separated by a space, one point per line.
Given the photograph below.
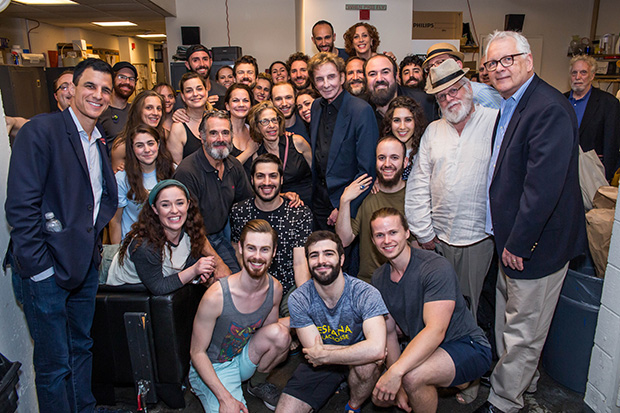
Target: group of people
x=255 y=184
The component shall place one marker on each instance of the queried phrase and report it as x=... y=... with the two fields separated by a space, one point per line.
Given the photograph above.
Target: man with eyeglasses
x=438 y=53
x=534 y=210
x=115 y=116
x=446 y=194
x=217 y=180
x=62 y=90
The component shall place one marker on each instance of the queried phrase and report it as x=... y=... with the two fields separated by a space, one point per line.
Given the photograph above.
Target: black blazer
x=48 y=172
x=600 y=129
x=535 y=197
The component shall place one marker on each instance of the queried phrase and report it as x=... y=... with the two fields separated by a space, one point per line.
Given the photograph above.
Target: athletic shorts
x=231 y=373
x=315 y=385
x=471 y=359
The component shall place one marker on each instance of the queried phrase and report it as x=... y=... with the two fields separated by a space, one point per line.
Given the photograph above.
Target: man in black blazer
x=536 y=213
x=344 y=136
x=59 y=164
x=598 y=114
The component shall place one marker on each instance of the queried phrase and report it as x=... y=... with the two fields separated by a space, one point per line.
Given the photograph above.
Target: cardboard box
x=437 y=25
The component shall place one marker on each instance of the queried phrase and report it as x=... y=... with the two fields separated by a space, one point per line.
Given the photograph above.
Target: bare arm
x=14 y=124
x=436 y=316
x=369 y=350
x=277 y=298
x=300 y=266
x=221 y=269
x=209 y=310
x=176 y=142
x=117 y=157
x=351 y=192
x=250 y=150
x=303 y=147
x=116 y=232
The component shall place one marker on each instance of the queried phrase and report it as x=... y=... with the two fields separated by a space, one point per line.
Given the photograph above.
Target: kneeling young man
x=420 y=288
x=340 y=323
x=236 y=329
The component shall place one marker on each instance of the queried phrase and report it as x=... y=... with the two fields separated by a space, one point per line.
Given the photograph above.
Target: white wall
x=264 y=29
x=15 y=342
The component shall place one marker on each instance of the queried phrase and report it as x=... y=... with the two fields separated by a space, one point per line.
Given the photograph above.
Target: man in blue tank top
x=236 y=329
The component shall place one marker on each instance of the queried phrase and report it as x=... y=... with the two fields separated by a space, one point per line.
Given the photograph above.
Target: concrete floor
x=551 y=397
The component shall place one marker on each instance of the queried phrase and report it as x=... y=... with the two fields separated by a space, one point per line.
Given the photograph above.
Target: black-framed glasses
x=435 y=64
x=64 y=87
x=131 y=79
x=266 y=122
x=452 y=92
x=506 y=61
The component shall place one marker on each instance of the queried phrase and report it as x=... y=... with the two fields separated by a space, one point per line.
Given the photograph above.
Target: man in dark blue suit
x=598 y=114
x=59 y=164
x=536 y=213
x=343 y=133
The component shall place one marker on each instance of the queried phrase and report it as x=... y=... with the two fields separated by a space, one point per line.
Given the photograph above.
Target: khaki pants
x=524 y=310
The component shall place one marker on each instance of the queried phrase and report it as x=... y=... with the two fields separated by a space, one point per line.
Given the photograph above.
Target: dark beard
x=329 y=278
x=383 y=97
x=254 y=273
x=391 y=183
x=119 y=92
x=304 y=86
x=275 y=194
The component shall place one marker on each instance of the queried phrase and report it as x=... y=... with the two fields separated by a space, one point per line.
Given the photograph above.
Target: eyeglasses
x=266 y=122
x=64 y=87
x=506 y=61
x=452 y=92
x=435 y=64
x=125 y=78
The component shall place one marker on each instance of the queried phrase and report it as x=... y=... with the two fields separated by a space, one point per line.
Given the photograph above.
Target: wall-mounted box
x=437 y=25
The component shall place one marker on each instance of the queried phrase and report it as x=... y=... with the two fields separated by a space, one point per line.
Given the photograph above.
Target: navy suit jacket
x=600 y=129
x=352 y=148
x=48 y=172
x=536 y=203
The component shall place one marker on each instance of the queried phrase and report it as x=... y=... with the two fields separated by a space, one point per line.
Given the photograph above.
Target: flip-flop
x=349 y=409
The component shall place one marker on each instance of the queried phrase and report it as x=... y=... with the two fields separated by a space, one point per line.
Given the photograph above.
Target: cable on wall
x=473 y=25
x=227 y=22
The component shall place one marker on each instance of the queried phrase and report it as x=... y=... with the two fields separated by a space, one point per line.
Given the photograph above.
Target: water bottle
x=52 y=224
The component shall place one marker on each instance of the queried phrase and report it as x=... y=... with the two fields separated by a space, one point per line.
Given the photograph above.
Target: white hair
x=523 y=46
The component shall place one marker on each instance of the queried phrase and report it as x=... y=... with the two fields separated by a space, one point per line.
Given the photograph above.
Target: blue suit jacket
x=352 y=148
x=48 y=172
x=536 y=202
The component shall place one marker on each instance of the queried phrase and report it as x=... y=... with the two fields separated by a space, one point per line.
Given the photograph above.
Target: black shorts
x=315 y=385
x=471 y=359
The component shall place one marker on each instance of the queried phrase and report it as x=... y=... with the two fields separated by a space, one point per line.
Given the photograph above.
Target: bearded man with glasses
x=115 y=116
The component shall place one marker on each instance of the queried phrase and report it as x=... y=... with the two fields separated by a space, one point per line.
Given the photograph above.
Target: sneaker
x=267 y=392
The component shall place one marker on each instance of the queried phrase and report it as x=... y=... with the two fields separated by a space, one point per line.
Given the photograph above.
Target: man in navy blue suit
x=535 y=212
x=59 y=164
x=343 y=133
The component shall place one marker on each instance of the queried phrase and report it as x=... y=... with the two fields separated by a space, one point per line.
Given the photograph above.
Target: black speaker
x=221 y=54
x=190 y=35
x=514 y=22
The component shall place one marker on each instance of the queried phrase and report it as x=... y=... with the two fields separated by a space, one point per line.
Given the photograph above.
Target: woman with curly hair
x=361 y=40
x=147 y=108
x=146 y=163
x=405 y=120
x=267 y=128
x=165 y=247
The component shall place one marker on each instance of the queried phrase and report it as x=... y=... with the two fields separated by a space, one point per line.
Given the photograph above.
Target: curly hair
x=255 y=112
x=348 y=38
x=148 y=228
x=297 y=56
x=419 y=120
x=164 y=165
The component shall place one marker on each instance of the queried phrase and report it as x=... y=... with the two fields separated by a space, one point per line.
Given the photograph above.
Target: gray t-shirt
x=428 y=277
x=341 y=325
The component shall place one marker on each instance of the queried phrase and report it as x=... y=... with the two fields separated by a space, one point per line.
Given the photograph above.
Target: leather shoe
x=487 y=407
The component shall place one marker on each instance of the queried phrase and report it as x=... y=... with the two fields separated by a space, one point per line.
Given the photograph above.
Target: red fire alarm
x=364 y=14
x=133 y=46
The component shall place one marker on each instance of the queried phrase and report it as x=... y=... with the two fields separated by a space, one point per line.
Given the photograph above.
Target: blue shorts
x=471 y=359
x=231 y=373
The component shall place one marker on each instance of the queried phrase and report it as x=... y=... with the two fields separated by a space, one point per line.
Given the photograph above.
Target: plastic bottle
x=52 y=224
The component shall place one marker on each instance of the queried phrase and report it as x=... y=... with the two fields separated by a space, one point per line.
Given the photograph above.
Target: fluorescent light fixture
x=46 y=2
x=148 y=36
x=114 y=24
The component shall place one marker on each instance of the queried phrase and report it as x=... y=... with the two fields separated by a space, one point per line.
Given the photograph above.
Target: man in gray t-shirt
x=340 y=323
x=445 y=346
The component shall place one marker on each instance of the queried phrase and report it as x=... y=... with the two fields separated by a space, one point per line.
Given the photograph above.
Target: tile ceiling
x=148 y=16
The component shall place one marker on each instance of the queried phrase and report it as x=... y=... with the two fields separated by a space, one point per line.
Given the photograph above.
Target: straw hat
x=442 y=48
x=443 y=76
